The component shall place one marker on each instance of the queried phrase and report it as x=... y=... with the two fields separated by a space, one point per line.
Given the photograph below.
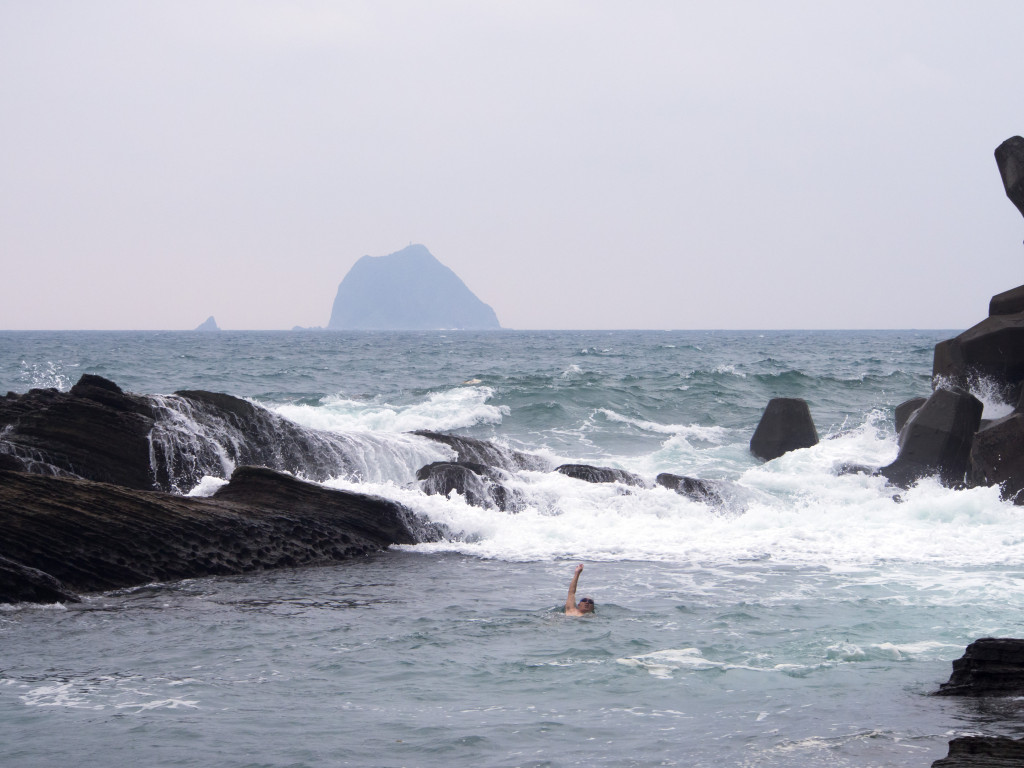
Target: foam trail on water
x=689 y=432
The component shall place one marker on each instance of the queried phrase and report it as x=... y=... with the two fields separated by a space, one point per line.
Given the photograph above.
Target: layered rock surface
x=983 y=752
x=68 y=535
x=990 y=666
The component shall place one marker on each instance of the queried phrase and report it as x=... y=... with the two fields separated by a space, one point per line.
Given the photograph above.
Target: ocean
x=805 y=621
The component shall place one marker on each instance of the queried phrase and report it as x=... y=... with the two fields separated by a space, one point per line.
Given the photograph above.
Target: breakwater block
x=785 y=426
x=937 y=440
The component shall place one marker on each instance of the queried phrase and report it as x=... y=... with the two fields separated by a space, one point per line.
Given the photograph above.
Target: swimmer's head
x=586 y=605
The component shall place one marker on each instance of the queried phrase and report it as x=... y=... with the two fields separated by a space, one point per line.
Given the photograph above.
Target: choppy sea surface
x=803 y=623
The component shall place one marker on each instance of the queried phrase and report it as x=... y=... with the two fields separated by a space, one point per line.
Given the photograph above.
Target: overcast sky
x=578 y=164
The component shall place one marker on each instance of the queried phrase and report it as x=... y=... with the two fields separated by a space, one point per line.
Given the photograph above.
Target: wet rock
x=786 y=425
x=95 y=431
x=990 y=666
x=1010 y=159
x=95 y=536
x=704 y=491
x=475 y=451
x=21 y=584
x=983 y=752
x=481 y=486
x=937 y=440
x=98 y=432
x=591 y=474
x=11 y=463
x=997 y=457
x=905 y=410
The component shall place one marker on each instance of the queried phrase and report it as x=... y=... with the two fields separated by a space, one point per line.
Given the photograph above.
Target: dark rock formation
x=785 y=426
x=937 y=440
x=209 y=324
x=408 y=290
x=11 y=463
x=95 y=431
x=89 y=536
x=471 y=450
x=21 y=584
x=1010 y=159
x=480 y=485
x=220 y=427
x=997 y=457
x=905 y=410
x=601 y=474
x=990 y=666
x=704 y=491
x=98 y=432
x=983 y=752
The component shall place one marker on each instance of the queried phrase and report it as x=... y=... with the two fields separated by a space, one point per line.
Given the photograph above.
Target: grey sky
x=578 y=164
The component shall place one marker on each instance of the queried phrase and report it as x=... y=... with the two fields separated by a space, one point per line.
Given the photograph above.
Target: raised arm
x=570 y=600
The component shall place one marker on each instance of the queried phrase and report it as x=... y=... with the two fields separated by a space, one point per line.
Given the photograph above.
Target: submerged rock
x=693 y=488
x=785 y=426
x=601 y=474
x=852 y=468
x=990 y=666
x=21 y=584
x=937 y=440
x=92 y=536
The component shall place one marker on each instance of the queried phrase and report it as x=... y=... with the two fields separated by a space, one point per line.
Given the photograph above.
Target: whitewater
x=803 y=621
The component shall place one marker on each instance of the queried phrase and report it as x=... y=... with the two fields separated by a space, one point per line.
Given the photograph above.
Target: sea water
x=806 y=621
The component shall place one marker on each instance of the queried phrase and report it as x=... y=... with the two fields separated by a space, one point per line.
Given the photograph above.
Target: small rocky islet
x=92 y=483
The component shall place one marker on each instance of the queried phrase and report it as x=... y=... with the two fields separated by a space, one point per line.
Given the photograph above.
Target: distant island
x=209 y=324
x=407 y=291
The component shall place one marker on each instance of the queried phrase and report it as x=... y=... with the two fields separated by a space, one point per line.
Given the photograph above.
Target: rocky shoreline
x=64 y=536
x=91 y=482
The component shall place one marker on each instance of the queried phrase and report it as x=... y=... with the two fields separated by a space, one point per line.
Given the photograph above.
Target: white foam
x=46 y=375
x=988 y=391
x=441 y=411
x=207 y=486
x=797 y=511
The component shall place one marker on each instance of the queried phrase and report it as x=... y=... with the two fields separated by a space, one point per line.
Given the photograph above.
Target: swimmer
x=585 y=606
